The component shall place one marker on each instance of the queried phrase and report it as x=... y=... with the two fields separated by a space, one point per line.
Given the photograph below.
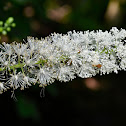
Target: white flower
x=30 y=60
x=76 y=60
x=65 y=73
x=44 y=76
x=33 y=44
x=61 y=57
x=15 y=81
x=28 y=80
x=86 y=70
x=95 y=59
x=19 y=48
x=2 y=88
x=4 y=61
x=6 y=48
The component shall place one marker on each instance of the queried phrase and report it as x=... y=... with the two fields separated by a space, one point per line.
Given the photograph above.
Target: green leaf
x=27 y=108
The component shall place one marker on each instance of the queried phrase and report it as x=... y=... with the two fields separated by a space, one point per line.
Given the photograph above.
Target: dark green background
x=70 y=103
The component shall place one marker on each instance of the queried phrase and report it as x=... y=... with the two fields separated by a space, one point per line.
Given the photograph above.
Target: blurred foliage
x=94 y=101
x=27 y=108
x=6 y=27
x=40 y=18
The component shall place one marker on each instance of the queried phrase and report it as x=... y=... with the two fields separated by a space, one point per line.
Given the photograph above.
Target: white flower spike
x=61 y=57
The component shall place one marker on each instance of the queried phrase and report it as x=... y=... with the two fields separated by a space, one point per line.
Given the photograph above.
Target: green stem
x=14 y=66
x=20 y=65
x=22 y=68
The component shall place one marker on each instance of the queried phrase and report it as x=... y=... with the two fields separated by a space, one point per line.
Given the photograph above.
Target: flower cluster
x=61 y=57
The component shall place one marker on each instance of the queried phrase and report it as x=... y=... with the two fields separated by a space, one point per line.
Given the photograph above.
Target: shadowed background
x=96 y=101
